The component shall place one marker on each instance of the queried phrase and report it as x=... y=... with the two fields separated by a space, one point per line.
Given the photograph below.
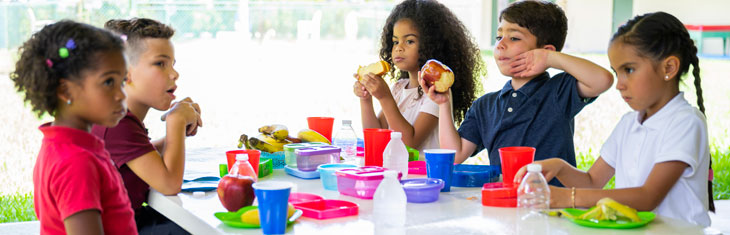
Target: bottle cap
x=396 y=135
x=390 y=174
x=242 y=157
x=534 y=168
x=346 y=122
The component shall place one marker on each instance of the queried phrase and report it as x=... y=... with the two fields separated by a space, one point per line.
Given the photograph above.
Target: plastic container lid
x=422 y=190
x=534 y=168
x=417 y=167
x=474 y=175
x=498 y=190
x=301 y=174
x=363 y=173
x=296 y=198
x=327 y=209
x=317 y=150
x=242 y=157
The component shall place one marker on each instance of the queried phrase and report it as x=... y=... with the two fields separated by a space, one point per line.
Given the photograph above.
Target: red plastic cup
x=375 y=142
x=253 y=158
x=322 y=125
x=513 y=158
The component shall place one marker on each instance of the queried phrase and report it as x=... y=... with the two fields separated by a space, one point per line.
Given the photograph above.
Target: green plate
x=645 y=216
x=233 y=219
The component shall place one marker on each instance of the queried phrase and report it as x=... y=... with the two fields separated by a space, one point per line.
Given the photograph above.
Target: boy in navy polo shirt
x=532 y=109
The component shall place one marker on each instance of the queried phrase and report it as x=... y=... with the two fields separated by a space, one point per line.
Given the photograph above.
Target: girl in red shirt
x=74 y=72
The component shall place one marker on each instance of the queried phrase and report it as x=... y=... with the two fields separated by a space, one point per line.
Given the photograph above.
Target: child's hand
x=360 y=90
x=550 y=168
x=530 y=63
x=438 y=98
x=189 y=112
x=375 y=85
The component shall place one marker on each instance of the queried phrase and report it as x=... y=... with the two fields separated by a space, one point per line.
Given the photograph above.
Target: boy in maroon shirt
x=150 y=84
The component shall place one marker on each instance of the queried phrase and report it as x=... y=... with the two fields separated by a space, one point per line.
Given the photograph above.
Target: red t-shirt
x=73 y=173
x=125 y=142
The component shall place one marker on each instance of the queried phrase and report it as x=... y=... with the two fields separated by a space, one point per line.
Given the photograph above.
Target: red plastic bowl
x=327 y=209
x=297 y=198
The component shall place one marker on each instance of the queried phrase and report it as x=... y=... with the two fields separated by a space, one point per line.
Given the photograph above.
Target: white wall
x=589 y=24
x=688 y=11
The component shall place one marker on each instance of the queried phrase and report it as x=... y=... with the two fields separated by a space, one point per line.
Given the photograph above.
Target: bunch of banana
x=276 y=131
x=267 y=143
x=308 y=135
x=609 y=209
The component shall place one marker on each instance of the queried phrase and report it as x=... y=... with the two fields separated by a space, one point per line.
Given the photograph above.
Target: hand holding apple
x=435 y=73
x=236 y=191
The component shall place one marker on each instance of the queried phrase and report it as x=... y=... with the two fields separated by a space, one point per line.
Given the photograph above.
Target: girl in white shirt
x=659 y=153
x=415 y=32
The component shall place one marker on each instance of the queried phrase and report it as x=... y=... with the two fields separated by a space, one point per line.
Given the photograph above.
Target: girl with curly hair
x=74 y=72
x=415 y=32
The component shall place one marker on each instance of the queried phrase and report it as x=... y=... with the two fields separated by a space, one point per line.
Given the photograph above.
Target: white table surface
x=453 y=213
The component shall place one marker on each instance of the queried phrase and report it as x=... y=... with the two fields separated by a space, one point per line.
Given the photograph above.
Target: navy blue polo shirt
x=540 y=114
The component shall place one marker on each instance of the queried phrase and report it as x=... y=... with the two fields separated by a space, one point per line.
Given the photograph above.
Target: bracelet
x=572 y=196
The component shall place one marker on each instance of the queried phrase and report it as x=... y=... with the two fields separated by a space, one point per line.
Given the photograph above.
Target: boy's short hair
x=543 y=19
x=136 y=30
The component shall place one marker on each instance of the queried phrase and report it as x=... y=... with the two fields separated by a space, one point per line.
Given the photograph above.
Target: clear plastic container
x=290 y=157
x=308 y=159
x=395 y=155
x=346 y=140
x=243 y=167
x=359 y=182
x=533 y=193
x=389 y=203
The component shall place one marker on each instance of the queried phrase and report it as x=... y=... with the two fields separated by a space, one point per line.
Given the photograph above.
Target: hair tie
x=49 y=63
x=63 y=52
x=123 y=37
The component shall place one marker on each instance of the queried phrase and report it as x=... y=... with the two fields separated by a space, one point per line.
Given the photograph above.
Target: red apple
x=437 y=74
x=235 y=192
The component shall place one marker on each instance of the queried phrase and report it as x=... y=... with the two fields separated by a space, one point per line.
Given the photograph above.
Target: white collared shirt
x=677 y=132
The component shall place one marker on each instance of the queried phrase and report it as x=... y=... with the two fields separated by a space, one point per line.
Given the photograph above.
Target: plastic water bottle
x=533 y=193
x=389 y=202
x=346 y=139
x=243 y=167
x=395 y=155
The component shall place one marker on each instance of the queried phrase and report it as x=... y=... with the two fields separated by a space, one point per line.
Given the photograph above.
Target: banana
x=594 y=213
x=618 y=210
x=308 y=135
x=267 y=143
x=243 y=140
x=277 y=131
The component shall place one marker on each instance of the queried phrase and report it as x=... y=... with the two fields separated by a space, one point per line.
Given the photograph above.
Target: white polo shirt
x=677 y=132
x=410 y=106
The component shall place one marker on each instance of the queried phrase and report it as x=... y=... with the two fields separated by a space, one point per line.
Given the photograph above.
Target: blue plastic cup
x=273 y=198
x=440 y=165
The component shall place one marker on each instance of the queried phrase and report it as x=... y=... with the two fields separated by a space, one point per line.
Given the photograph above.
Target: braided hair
x=62 y=50
x=442 y=37
x=659 y=35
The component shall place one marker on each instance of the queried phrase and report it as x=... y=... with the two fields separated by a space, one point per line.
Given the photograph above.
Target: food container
x=496 y=194
x=327 y=209
x=474 y=175
x=265 y=167
x=308 y=159
x=417 y=167
x=412 y=154
x=296 y=198
x=277 y=158
x=290 y=158
x=360 y=182
x=307 y=175
x=327 y=174
x=422 y=190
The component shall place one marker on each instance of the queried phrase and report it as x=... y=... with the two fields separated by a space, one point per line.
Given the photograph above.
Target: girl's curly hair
x=442 y=37
x=41 y=67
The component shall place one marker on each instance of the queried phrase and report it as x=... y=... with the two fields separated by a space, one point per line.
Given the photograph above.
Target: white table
x=453 y=213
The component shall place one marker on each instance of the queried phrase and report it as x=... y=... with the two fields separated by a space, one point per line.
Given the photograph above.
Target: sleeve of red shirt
x=127 y=141
x=76 y=185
